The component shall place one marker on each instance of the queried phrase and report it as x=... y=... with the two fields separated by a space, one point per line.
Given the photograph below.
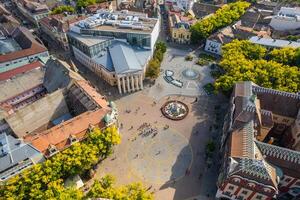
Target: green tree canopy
x=244 y=61
x=45 y=180
x=224 y=16
x=105 y=189
x=62 y=9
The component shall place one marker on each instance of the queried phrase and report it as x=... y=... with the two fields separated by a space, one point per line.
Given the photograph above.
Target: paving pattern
x=158 y=159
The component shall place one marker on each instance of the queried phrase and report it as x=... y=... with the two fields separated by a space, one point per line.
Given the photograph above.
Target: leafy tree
x=153 y=67
x=285 y=55
x=84 y=3
x=244 y=61
x=104 y=188
x=62 y=9
x=45 y=180
x=224 y=16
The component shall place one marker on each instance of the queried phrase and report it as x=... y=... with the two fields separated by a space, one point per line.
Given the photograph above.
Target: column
x=132 y=83
x=137 y=82
x=119 y=85
x=123 y=84
x=141 y=81
x=128 y=84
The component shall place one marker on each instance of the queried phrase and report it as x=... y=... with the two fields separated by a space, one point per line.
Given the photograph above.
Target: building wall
x=239 y=188
x=213 y=47
x=99 y=70
x=155 y=34
x=181 y=35
x=5 y=66
x=34 y=18
x=59 y=37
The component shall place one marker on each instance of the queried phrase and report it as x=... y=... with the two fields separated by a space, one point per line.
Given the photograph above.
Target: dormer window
x=72 y=139
x=52 y=150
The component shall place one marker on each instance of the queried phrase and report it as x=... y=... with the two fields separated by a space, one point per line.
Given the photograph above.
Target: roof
x=253 y=108
x=58 y=75
x=29 y=45
x=21 y=83
x=58 y=135
x=25 y=68
x=141 y=24
x=16 y=150
x=276 y=43
x=60 y=22
x=92 y=93
x=38 y=114
x=89 y=40
x=124 y=58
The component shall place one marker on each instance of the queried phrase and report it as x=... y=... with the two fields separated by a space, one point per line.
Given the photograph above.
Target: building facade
x=56 y=28
x=16 y=156
x=180 y=29
x=116 y=46
x=260 y=144
x=32 y=10
x=20 y=48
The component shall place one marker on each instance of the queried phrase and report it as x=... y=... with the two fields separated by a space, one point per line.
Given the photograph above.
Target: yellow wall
x=180 y=35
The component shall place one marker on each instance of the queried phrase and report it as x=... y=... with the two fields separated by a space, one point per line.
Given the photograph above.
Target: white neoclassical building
x=116 y=46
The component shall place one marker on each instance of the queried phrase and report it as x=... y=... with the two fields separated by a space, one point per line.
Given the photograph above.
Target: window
x=259 y=197
x=230 y=188
x=244 y=192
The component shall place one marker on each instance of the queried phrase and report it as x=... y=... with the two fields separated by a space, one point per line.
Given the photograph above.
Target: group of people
x=146 y=130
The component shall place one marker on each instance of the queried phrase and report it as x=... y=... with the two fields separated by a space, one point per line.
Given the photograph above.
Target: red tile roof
x=59 y=135
x=100 y=100
x=8 y=74
x=27 y=37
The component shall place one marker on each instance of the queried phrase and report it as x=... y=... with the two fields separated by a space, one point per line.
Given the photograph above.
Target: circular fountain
x=175 y=110
x=190 y=74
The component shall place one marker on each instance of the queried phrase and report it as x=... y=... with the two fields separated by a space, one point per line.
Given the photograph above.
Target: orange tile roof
x=100 y=100
x=58 y=135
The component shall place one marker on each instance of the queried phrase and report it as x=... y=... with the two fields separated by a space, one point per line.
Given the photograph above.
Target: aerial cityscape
x=149 y=100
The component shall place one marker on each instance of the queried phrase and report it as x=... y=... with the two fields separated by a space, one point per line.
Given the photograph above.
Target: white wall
x=213 y=47
x=155 y=34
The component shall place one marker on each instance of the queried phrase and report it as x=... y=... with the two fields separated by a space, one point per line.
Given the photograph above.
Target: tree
x=62 y=9
x=153 y=68
x=84 y=3
x=104 y=188
x=224 y=16
x=45 y=180
x=285 y=56
x=244 y=61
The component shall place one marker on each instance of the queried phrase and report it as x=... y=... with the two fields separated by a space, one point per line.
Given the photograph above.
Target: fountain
x=175 y=110
x=190 y=74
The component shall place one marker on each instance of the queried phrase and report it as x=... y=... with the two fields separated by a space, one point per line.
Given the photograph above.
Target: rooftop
x=274 y=42
x=119 y=21
x=26 y=41
x=89 y=40
x=14 y=151
x=20 y=70
x=59 y=135
x=20 y=83
x=123 y=58
x=8 y=45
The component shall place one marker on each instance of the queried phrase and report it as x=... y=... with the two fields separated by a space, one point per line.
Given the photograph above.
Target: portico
x=130 y=82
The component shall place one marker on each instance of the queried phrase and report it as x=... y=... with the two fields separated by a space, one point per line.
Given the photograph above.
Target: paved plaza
x=172 y=163
x=152 y=156
x=174 y=60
